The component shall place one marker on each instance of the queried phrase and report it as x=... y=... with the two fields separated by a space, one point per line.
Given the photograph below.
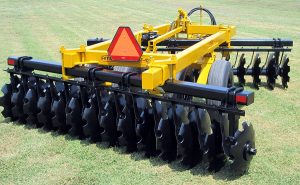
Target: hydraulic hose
x=211 y=16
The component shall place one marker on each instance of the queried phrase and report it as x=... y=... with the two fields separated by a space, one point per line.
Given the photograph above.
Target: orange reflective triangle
x=124 y=46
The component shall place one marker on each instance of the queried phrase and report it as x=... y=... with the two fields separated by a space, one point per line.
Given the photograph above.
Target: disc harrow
x=145 y=122
x=159 y=126
x=107 y=120
x=30 y=103
x=5 y=100
x=275 y=50
x=153 y=91
x=17 y=100
x=165 y=132
x=271 y=70
x=58 y=107
x=74 y=112
x=91 y=128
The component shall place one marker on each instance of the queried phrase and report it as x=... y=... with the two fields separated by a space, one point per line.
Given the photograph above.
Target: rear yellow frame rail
x=159 y=67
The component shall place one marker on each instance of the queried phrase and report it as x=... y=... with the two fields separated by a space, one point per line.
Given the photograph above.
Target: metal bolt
x=252 y=151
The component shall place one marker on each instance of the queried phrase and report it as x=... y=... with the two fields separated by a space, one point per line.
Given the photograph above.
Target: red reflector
x=241 y=99
x=11 y=62
x=124 y=46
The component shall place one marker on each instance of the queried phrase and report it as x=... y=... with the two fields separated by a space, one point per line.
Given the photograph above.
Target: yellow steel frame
x=159 y=67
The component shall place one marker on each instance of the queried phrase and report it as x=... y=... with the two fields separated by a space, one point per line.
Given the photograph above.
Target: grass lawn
x=39 y=28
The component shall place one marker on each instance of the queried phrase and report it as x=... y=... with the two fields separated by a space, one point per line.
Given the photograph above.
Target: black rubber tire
x=220 y=74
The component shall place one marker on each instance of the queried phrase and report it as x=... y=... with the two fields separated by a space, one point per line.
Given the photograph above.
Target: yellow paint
x=205 y=68
x=160 y=67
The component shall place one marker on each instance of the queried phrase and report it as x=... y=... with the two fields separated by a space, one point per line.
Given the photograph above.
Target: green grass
x=39 y=28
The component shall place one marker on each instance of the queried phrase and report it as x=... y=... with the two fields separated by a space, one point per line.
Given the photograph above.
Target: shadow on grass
x=262 y=85
x=5 y=120
x=199 y=170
